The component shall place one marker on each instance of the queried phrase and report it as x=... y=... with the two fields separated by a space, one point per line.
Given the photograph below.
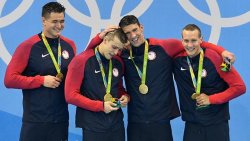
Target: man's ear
x=43 y=20
x=142 y=27
x=201 y=38
x=105 y=39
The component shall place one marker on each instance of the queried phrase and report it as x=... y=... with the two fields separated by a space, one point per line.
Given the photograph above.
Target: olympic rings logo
x=96 y=23
x=214 y=20
x=9 y=19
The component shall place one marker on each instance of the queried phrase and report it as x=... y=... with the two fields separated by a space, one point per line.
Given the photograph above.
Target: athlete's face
x=111 y=47
x=53 y=24
x=134 y=33
x=191 y=42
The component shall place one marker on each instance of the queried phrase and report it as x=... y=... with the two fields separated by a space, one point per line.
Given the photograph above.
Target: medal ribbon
x=57 y=65
x=197 y=85
x=142 y=74
x=107 y=86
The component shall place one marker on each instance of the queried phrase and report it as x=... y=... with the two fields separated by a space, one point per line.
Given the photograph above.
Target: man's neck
x=49 y=36
x=100 y=49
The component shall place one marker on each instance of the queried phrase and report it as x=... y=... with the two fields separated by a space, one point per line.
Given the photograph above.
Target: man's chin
x=189 y=54
x=58 y=34
x=55 y=35
x=135 y=44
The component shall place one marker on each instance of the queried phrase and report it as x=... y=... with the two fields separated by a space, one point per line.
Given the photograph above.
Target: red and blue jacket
x=85 y=88
x=26 y=70
x=220 y=86
x=159 y=105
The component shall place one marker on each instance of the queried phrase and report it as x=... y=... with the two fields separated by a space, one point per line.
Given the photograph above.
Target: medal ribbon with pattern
x=108 y=96
x=143 y=87
x=58 y=63
x=197 y=84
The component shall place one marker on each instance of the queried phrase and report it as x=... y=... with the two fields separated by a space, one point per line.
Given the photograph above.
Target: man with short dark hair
x=38 y=67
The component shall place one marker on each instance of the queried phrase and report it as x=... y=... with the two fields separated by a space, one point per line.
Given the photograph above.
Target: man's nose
x=59 y=25
x=133 y=34
x=190 y=44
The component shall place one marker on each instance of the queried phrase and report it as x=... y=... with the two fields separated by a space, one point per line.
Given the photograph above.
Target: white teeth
x=135 y=39
x=190 y=49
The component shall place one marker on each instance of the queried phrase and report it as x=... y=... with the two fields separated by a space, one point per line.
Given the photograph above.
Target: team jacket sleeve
x=232 y=78
x=74 y=79
x=13 y=76
x=73 y=45
x=171 y=46
x=174 y=47
x=214 y=47
x=94 y=42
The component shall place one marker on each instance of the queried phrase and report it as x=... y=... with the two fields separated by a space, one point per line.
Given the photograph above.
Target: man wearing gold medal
x=204 y=89
x=38 y=67
x=94 y=85
x=149 y=82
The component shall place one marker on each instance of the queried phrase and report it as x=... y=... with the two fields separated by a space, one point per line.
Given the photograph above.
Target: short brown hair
x=192 y=27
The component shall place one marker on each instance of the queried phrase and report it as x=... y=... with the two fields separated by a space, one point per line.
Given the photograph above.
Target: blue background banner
x=226 y=23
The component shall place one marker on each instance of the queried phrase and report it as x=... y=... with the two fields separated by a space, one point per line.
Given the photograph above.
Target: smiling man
x=38 y=67
x=149 y=81
x=204 y=89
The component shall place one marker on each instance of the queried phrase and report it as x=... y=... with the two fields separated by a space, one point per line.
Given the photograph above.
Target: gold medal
x=108 y=97
x=59 y=75
x=194 y=96
x=143 y=89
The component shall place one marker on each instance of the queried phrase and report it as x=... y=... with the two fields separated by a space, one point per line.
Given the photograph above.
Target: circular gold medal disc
x=194 y=95
x=60 y=76
x=108 y=97
x=143 y=89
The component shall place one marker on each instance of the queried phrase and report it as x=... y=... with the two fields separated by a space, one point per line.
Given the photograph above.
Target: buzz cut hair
x=192 y=27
